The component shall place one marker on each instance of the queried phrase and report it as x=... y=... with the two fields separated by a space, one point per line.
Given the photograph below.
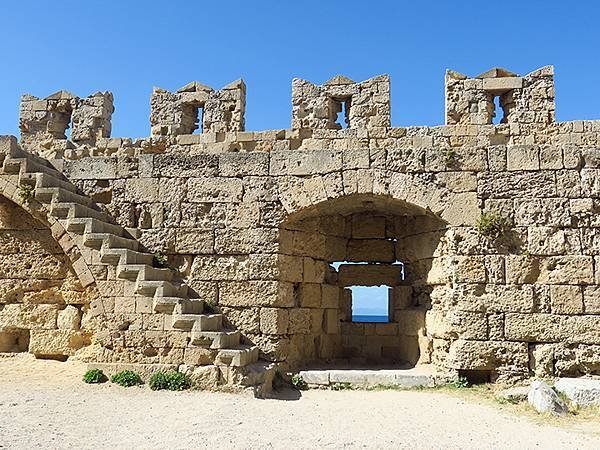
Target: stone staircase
x=80 y=216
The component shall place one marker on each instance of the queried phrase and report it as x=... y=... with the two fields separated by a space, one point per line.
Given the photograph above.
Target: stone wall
x=252 y=221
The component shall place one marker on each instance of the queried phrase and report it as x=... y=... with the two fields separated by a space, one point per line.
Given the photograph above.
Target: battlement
x=338 y=108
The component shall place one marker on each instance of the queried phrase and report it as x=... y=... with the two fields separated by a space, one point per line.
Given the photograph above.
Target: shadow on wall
x=356 y=243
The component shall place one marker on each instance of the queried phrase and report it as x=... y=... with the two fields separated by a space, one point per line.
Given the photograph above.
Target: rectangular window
x=370 y=303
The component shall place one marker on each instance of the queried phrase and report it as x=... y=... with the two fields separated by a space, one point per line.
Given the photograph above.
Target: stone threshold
x=420 y=376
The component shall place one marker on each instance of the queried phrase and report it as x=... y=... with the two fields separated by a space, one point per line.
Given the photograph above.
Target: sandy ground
x=45 y=404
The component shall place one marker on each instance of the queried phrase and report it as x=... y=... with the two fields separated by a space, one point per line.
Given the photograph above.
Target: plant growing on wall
x=450 y=157
x=160 y=261
x=492 y=225
x=26 y=192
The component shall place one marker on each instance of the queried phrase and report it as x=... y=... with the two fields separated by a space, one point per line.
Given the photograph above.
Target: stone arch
x=43 y=297
x=374 y=239
x=9 y=189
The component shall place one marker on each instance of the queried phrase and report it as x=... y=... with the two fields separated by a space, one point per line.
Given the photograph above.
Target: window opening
x=498 y=111
x=199 y=121
x=370 y=303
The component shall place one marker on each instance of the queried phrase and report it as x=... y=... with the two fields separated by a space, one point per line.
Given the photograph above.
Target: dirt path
x=44 y=404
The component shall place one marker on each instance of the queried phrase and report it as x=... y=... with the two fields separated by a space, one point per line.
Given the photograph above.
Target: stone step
x=108 y=240
x=45 y=180
x=75 y=210
x=82 y=225
x=197 y=322
x=161 y=289
x=121 y=256
x=240 y=356
x=60 y=195
x=190 y=306
x=216 y=339
x=143 y=272
x=166 y=304
x=27 y=164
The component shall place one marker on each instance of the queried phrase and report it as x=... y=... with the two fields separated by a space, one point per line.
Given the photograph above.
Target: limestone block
x=194 y=241
x=456 y=325
x=522 y=269
x=469 y=269
x=314 y=271
x=256 y=293
x=458 y=181
x=183 y=166
x=219 y=190
x=552 y=241
x=543 y=212
x=142 y=190
x=522 y=157
x=309 y=295
x=591 y=299
x=370 y=250
x=305 y=163
x=542 y=360
x=244 y=164
x=217 y=268
x=516 y=184
x=203 y=377
x=28 y=316
x=96 y=168
x=56 y=342
x=331 y=323
x=368 y=227
x=545 y=400
x=583 y=329
x=245 y=241
x=299 y=321
x=488 y=355
x=69 y=319
x=274 y=320
x=570 y=269
x=198 y=356
x=370 y=275
x=566 y=299
x=580 y=391
x=245 y=319
x=330 y=296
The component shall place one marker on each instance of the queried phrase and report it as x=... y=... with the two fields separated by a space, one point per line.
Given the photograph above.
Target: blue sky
x=130 y=46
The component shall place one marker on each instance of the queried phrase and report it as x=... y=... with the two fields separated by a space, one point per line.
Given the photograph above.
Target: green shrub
x=172 y=381
x=209 y=306
x=492 y=225
x=26 y=192
x=299 y=383
x=461 y=383
x=126 y=378
x=94 y=376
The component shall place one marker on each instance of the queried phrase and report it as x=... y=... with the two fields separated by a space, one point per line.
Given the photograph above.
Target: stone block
x=217 y=190
x=299 y=321
x=194 y=241
x=370 y=250
x=566 y=299
x=309 y=295
x=56 y=342
x=142 y=190
x=522 y=157
x=370 y=275
x=69 y=319
x=256 y=293
x=274 y=320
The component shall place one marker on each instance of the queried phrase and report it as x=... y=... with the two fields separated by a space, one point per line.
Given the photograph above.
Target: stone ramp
x=420 y=376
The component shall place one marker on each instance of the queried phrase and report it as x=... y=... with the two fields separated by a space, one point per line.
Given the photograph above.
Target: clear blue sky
x=130 y=46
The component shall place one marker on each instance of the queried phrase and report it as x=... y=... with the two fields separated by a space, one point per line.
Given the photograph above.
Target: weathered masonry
x=226 y=252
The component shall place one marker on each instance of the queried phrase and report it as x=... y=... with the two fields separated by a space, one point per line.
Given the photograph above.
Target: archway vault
x=354 y=241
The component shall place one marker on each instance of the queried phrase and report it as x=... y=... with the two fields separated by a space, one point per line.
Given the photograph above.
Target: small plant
x=341 y=386
x=492 y=225
x=26 y=192
x=94 y=376
x=209 y=306
x=126 y=378
x=160 y=261
x=299 y=383
x=450 y=157
x=461 y=383
x=171 y=381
